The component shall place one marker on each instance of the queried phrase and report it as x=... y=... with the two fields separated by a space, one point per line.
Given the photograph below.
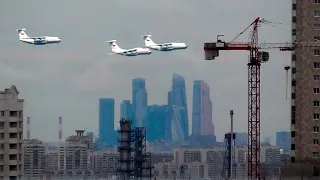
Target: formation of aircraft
x=36 y=40
x=149 y=44
x=127 y=52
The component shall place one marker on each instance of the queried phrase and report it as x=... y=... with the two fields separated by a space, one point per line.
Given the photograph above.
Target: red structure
x=256 y=58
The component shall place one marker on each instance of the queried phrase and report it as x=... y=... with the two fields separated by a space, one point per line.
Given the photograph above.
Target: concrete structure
x=11 y=134
x=305 y=101
x=34 y=159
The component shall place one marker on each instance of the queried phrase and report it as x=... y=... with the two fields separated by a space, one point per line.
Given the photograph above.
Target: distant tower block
x=28 y=128
x=60 y=128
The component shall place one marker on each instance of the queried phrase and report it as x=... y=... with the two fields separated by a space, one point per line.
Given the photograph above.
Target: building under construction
x=134 y=161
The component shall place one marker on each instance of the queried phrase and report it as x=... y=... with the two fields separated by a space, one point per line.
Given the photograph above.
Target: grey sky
x=67 y=79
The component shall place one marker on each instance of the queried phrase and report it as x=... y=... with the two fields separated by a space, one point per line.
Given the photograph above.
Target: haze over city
x=69 y=78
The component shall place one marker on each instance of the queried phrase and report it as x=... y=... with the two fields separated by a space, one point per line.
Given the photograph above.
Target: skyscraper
x=126 y=109
x=202 y=110
x=156 y=126
x=178 y=109
x=106 y=121
x=139 y=102
x=283 y=140
x=305 y=89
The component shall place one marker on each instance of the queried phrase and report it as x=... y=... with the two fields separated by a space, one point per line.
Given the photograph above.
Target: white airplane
x=127 y=52
x=164 y=46
x=37 y=40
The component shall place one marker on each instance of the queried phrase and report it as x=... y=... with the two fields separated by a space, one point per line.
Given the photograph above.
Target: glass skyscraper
x=202 y=110
x=139 y=102
x=156 y=124
x=126 y=109
x=107 y=134
x=178 y=109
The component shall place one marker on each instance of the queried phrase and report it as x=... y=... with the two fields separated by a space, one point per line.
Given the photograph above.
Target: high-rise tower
x=139 y=102
x=178 y=109
x=202 y=110
x=106 y=121
x=305 y=88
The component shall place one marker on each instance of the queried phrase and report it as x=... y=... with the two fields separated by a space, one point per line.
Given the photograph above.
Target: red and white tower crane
x=256 y=58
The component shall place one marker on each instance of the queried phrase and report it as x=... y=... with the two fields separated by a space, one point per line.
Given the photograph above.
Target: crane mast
x=254 y=106
x=257 y=57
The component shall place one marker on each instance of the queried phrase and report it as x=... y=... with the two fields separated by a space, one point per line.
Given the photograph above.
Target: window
x=2 y=113
x=316 y=103
x=315 y=154
x=316 y=90
x=316 y=116
x=316 y=52
x=316 y=39
x=315 y=141
x=316 y=129
x=294 y=6
x=316 y=13
x=316 y=78
x=317 y=1
x=294 y=32
x=316 y=65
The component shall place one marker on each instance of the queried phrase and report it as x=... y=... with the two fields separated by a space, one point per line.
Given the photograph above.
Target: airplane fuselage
x=136 y=52
x=41 y=41
x=168 y=47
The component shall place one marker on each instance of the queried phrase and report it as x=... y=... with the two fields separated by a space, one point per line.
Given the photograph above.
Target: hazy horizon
x=67 y=79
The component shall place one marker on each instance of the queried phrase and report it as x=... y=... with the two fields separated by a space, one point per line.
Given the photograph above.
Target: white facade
x=11 y=134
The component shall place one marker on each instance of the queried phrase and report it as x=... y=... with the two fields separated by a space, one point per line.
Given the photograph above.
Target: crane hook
x=287 y=69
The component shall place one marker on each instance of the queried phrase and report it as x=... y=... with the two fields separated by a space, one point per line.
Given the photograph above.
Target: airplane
x=127 y=52
x=164 y=46
x=37 y=40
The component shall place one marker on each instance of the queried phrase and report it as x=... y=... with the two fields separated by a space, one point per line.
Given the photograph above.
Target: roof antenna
x=287 y=69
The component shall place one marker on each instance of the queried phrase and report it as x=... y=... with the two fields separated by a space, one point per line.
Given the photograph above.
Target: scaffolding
x=142 y=159
x=125 y=150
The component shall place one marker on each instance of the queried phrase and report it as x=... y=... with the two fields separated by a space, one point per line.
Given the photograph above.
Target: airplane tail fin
x=22 y=33
x=148 y=41
x=114 y=46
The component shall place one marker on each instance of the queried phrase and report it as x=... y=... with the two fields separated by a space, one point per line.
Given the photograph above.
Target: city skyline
x=60 y=81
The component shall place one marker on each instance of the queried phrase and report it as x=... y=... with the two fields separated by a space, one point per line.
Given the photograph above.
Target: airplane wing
x=38 y=38
x=131 y=50
x=165 y=44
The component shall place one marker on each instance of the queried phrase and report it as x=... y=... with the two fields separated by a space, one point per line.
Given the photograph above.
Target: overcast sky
x=67 y=79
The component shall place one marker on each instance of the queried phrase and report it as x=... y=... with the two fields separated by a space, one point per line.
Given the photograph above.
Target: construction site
x=304 y=136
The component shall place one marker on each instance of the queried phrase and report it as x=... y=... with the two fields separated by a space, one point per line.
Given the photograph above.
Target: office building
x=157 y=121
x=126 y=109
x=178 y=109
x=11 y=134
x=283 y=140
x=107 y=135
x=202 y=110
x=139 y=102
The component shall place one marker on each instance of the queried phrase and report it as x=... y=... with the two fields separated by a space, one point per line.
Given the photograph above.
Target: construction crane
x=255 y=59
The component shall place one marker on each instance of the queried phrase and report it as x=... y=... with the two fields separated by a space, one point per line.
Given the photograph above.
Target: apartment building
x=305 y=86
x=34 y=159
x=11 y=134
